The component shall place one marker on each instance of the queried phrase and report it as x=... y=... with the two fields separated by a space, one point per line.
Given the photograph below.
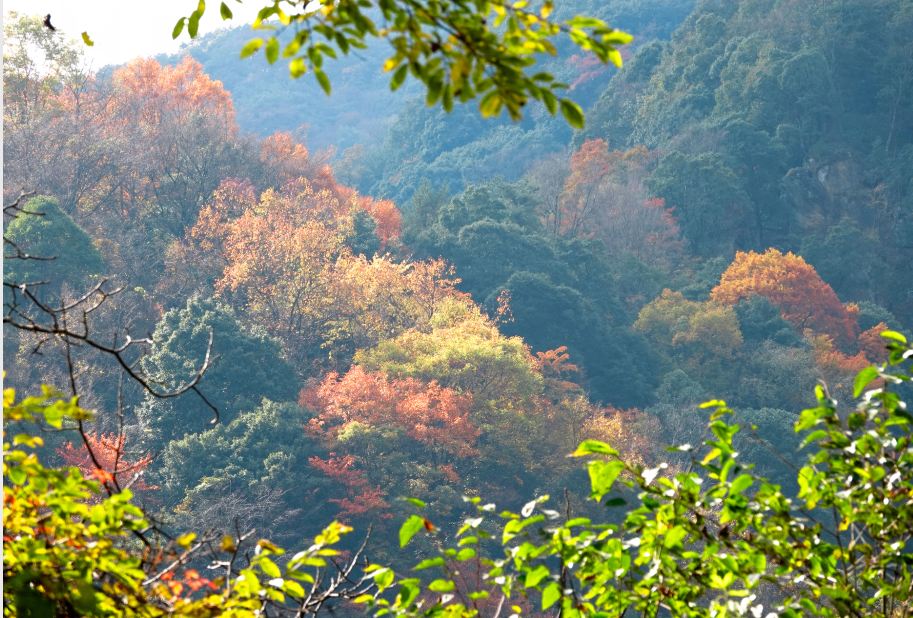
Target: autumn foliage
x=633 y=433
x=428 y=413
x=794 y=286
x=114 y=463
x=362 y=499
x=873 y=344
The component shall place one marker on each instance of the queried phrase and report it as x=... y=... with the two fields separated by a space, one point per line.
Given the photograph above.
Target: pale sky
x=125 y=29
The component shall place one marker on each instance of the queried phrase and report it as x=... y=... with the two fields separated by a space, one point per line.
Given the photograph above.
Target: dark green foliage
x=250 y=367
x=562 y=291
x=365 y=241
x=496 y=200
x=759 y=161
x=548 y=315
x=845 y=258
x=760 y=320
x=773 y=437
x=871 y=315
x=708 y=201
x=771 y=375
x=455 y=149
x=636 y=281
x=422 y=212
x=613 y=115
x=705 y=278
x=679 y=389
x=261 y=453
x=53 y=234
x=487 y=253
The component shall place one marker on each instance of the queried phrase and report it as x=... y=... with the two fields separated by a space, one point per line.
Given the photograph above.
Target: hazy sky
x=125 y=29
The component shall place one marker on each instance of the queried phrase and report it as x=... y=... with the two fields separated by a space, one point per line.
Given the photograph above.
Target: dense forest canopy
x=398 y=301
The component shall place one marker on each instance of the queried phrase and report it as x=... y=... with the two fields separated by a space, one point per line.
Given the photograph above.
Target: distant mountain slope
x=267 y=100
x=363 y=111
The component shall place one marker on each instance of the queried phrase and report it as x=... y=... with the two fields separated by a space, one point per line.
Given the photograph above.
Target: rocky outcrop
x=821 y=193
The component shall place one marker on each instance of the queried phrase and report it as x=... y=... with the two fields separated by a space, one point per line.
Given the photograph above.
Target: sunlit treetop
x=460 y=49
x=794 y=286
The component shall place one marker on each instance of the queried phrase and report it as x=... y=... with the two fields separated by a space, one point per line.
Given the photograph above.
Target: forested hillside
x=403 y=302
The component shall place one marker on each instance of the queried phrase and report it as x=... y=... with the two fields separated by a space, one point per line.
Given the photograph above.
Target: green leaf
x=815 y=435
x=490 y=104
x=465 y=554
x=251 y=47
x=396 y=81
x=550 y=595
x=550 y=101
x=602 y=476
x=228 y=544
x=589 y=447
x=430 y=562
x=88 y=41
x=297 y=68
x=741 y=483
x=193 y=24
x=292 y=588
x=434 y=92
x=441 y=585
x=384 y=578
x=269 y=567
x=16 y=475
x=585 y=22
x=323 y=79
x=863 y=379
x=299 y=575
x=272 y=50
x=178 y=28
x=890 y=334
x=408 y=591
x=185 y=540
x=409 y=528
x=617 y=37
x=536 y=575
x=447 y=98
x=674 y=537
x=225 y=12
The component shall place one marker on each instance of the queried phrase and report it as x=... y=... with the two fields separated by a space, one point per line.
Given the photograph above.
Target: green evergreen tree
x=249 y=368
x=50 y=234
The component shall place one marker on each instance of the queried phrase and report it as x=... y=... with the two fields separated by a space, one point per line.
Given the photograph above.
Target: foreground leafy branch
x=459 y=49
x=68 y=552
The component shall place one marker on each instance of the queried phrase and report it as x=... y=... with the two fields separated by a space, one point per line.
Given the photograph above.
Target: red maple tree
x=114 y=463
x=362 y=498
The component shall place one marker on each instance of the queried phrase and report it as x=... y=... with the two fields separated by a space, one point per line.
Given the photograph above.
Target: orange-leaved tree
x=280 y=255
x=581 y=194
x=431 y=415
x=391 y=432
x=378 y=299
x=179 y=140
x=794 y=286
x=872 y=343
x=633 y=433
